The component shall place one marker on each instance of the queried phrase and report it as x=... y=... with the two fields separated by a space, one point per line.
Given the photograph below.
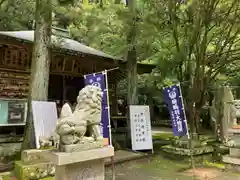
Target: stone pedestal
x=87 y=165
x=233 y=159
x=181 y=150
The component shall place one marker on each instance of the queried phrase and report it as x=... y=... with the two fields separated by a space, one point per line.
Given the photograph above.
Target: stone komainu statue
x=71 y=126
x=235 y=111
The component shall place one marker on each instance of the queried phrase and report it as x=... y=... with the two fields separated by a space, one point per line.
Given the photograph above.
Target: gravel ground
x=159 y=168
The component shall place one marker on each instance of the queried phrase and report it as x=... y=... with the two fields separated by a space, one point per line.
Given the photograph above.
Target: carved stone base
x=33 y=155
x=231 y=160
x=234 y=152
x=184 y=143
x=90 y=170
x=81 y=147
x=186 y=152
x=87 y=165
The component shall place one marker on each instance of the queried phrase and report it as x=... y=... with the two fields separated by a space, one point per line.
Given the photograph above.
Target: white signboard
x=44 y=118
x=141 y=132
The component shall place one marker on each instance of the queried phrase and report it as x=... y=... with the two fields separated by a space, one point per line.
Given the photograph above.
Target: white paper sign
x=44 y=118
x=141 y=132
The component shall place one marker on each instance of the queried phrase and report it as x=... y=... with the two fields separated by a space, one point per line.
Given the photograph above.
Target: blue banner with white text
x=99 y=80
x=173 y=99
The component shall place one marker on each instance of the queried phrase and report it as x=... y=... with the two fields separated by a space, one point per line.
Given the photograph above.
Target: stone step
x=231 y=160
x=121 y=156
x=234 y=131
x=234 y=152
x=13 y=139
x=9 y=149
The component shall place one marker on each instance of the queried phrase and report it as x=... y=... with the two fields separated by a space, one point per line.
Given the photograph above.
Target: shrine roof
x=59 y=42
x=71 y=45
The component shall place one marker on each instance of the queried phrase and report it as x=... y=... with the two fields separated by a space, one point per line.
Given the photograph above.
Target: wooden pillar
x=63 y=90
x=113 y=93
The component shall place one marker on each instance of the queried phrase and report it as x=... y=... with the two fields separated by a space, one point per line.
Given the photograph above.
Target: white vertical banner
x=141 y=132
x=44 y=118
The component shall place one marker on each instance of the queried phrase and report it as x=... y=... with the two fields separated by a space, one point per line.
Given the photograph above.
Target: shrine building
x=70 y=61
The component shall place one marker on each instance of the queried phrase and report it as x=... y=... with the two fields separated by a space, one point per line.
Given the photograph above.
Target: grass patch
x=162 y=136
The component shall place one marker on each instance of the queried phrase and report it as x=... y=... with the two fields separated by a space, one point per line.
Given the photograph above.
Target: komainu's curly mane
x=89 y=99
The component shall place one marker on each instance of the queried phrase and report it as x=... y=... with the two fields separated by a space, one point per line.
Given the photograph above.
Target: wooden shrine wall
x=15 y=63
x=14 y=85
x=19 y=58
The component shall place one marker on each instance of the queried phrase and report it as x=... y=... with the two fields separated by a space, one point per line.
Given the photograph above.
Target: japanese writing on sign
x=172 y=97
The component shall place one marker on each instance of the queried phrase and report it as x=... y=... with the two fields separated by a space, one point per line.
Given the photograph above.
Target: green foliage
x=101 y=28
x=196 y=40
x=16 y=14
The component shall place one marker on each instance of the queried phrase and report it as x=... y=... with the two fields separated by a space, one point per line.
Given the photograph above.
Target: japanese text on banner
x=172 y=97
x=99 y=80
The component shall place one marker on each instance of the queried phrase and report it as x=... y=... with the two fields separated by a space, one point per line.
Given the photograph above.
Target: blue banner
x=173 y=99
x=99 y=80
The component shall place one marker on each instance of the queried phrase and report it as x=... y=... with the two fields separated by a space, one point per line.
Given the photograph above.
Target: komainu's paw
x=100 y=138
x=88 y=139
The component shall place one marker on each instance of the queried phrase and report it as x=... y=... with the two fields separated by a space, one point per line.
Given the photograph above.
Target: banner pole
x=109 y=119
x=107 y=70
x=109 y=125
x=188 y=135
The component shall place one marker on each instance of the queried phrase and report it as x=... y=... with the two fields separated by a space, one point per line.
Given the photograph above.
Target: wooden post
x=63 y=90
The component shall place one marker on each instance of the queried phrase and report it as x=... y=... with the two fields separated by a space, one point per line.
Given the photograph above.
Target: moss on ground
x=214 y=164
x=167 y=169
x=162 y=136
x=7 y=178
x=48 y=178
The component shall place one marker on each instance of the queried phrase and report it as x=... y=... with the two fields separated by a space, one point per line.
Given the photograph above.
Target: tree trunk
x=190 y=99
x=132 y=78
x=40 y=66
x=224 y=111
x=131 y=64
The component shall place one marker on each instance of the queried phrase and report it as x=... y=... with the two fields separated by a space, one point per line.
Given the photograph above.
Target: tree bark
x=131 y=64
x=40 y=66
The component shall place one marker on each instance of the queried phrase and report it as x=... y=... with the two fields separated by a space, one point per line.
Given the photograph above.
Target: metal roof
x=60 y=42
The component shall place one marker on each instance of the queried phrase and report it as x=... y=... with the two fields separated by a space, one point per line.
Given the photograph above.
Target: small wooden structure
x=70 y=61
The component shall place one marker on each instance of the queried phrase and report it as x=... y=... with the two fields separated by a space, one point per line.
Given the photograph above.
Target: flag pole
x=188 y=135
x=109 y=124
x=109 y=120
x=107 y=70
